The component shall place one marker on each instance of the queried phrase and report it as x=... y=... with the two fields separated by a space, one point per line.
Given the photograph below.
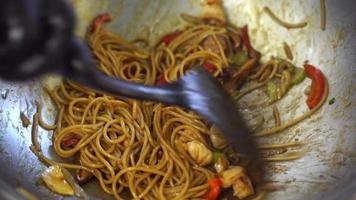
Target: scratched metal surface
x=330 y=150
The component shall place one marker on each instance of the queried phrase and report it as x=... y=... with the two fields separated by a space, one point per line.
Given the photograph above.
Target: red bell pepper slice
x=161 y=80
x=246 y=39
x=69 y=142
x=209 y=67
x=317 y=86
x=214 y=189
x=100 y=19
x=167 y=39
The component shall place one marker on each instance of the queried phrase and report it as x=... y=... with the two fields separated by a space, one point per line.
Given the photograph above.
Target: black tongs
x=37 y=37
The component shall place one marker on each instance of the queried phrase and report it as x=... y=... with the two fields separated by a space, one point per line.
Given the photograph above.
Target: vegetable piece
x=239 y=58
x=216 y=138
x=167 y=39
x=217 y=155
x=286 y=81
x=246 y=38
x=54 y=179
x=299 y=76
x=332 y=101
x=69 y=142
x=220 y=162
x=317 y=87
x=200 y=153
x=236 y=39
x=99 y=20
x=247 y=43
x=214 y=189
x=284 y=65
x=161 y=80
x=253 y=53
x=238 y=179
x=209 y=67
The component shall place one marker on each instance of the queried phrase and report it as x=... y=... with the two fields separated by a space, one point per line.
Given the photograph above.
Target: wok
x=326 y=169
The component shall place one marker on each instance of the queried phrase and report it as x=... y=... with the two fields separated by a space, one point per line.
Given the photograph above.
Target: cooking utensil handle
x=35 y=37
x=47 y=44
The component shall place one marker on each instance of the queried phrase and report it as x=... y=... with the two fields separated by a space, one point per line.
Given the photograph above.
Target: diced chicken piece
x=213 y=12
x=238 y=179
x=216 y=138
x=243 y=188
x=54 y=179
x=228 y=177
x=210 y=44
x=83 y=176
x=221 y=164
x=200 y=153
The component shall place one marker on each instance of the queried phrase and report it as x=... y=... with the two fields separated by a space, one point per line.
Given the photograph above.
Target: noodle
x=40 y=120
x=322 y=15
x=296 y=120
x=276 y=116
x=287 y=51
x=278 y=146
x=238 y=95
x=284 y=157
x=35 y=144
x=36 y=148
x=287 y=25
x=107 y=127
x=144 y=148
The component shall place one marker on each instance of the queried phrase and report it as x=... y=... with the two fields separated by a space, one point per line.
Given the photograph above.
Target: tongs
x=40 y=39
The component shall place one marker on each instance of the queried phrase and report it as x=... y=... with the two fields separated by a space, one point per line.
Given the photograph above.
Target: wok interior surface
x=330 y=145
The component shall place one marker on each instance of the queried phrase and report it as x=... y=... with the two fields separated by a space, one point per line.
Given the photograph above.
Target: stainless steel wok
x=330 y=150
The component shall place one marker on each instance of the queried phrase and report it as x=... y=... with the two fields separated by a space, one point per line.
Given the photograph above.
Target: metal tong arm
x=169 y=94
x=84 y=71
